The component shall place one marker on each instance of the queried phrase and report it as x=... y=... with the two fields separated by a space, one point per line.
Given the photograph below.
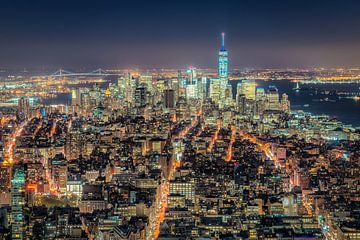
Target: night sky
x=146 y=34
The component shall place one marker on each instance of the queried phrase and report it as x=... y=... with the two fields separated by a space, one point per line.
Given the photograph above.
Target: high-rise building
x=121 y=87
x=248 y=89
x=175 y=85
x=140 y=96
x=126 y=88
x=146 y=79
x=260 y=93
x=4 y=179
x=86 y=101
x=58 y=170
x=95 y=94
x=191 y=75
x=228 y=98
x=273 y=98
x=76 y=97
x=169 y=98
x=241 y=103
x=182 y=85
x=182 y=82
x=223 y=62
x=160 y=86
x=191 y=91
x=285 y=103
x=215 y=87
x=73 y=146
x=130 y=88
x=201 y=88
x=24 y=107
x=223 y=72
x=17 y=203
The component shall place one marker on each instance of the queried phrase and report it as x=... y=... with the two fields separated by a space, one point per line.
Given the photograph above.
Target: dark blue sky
x=269 y=33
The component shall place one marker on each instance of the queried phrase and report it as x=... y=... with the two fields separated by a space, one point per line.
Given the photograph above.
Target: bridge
x=325 y=81
x=65 y=73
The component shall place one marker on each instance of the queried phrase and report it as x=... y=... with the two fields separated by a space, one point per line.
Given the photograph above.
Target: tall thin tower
x=223 y=61
x=223 y=72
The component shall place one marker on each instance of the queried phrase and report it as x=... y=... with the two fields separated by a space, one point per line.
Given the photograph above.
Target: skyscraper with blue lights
x=223 y=73
x=223 y=62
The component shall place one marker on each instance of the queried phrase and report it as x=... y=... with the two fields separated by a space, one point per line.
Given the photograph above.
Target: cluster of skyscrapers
x=179 y=154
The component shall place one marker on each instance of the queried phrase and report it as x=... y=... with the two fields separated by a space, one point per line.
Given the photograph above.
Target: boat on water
x=306 y=105
x=324 y=100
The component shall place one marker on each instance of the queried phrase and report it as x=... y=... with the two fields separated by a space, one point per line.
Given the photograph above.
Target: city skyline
x=262 y=34
x=172 y=137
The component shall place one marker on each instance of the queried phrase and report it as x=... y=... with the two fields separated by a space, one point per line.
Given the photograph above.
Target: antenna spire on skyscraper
x=222 y=41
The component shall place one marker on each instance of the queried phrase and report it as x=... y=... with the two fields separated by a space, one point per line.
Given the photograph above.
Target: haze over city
x=158 y=34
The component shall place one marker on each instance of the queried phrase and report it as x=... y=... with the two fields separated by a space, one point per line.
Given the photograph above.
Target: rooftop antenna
x=222 y=41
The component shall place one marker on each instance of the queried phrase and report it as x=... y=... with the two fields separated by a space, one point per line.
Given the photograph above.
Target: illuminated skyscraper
x=223 y=73
x=248 y=89
x=201 y=88
x=182 y=85
x=17 y=203
x=140 y=96
x=86 y=101
x=191 y=75
x=191 y=91
x=223 y=62
x=146 y=79
x=273 y=98
x=5 y=178
x=182 y=82
x=76 y=97
x=122 y=87
x=175 y=85
x=24 y=107
x=215 y=89
x=260 y=93
x=285 y=103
